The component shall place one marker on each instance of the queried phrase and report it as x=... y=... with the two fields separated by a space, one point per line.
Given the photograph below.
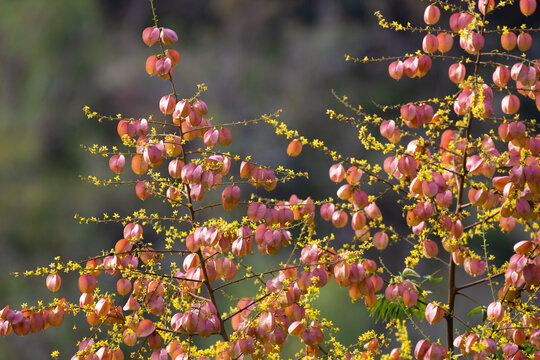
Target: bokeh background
x=255 y=56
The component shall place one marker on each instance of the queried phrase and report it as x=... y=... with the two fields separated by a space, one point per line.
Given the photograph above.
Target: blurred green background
x=255 y=56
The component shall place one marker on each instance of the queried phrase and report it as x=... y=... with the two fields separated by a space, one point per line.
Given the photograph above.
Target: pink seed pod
x=486 y=6
x=524 y=41
x=256 y=211
x=53 y=282
x=182 y=109
x=175 y=168
x=117 y=163
x=421 y=348
x=225 y=137
x=358 y=221
x=211 y=137
x=424 y=65
x=508 y=41
x=410 y=67
x=430 y=249
x=380 y=240
x=143 y=189
x=163 y=66
x=474 y=266
x=337 y=173
x=168 y=36
x=294 y=148
x=501 y=75
x=510 y=104
x=339 y=218
x=445 y=42
x=527 y=7
x=495 y=311
x=230 y=197
x=433 y=313
x=395 y=69
x=456 y=73
x=373 y=211
x=432 y=15
x=150 y=35
x=326 y=211
x=459 y=21
x=430 y=43
x=200 y=107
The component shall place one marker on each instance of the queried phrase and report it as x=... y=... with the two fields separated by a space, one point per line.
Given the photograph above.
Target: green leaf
x=475 y=311
x=409 y=272
x=433 y=280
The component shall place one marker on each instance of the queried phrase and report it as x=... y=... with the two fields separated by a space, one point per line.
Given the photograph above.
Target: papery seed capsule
x=337 y=173
x=445 y=42
x=510 y=104
x=230 y=197
x=294 y=148
x=456 y=73
x=395 y=69
x=168 y=37
x=117 y=163
x=527 y=7
x=486 y=6
x=432 y=15
x=150 y=35
x=508 y=41
x=167 y=104
x=501 y=75
x=524 y=41
x=53 y=282
x=174 y=56
x=430 y=43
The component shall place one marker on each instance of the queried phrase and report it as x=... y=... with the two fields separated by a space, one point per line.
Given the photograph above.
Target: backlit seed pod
x=486 y=6
x=359 y=199
x=174 y=56
x=182 y=109
x=430 y=249
x=87 y=283
x=125 y=128
x=173 y=146
x=199 y=107
x=336 y=173
x=510 y=104
x=380 y=240
x=474 y=266
x=294 y=148
x=167 y=104
x=168 y=37
x=495 y=311
x=230 y=197
x=175 y=168
x=430 y=43
x=395 y=69
x=145 y=328
x=527 y=7
x=123 y=286
x=211 y=137
x=163 y=66
x=445 y=42
x=139 y=165
x=524 y=41
x=53 y=282
x=117 y=163
x=410 y=67
x=225 y=137
x=353 y=175
x=150 y=65
x=433 y=313
x=508 y=41
x=424 y=65
x=339 y=218
x=372 y=211
x=432 y=15
x=345 y=192
x=456 y=73
x=143 y=190
x=358 y=221
x=150 y=35
x=410 y=297
x=501 y=75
